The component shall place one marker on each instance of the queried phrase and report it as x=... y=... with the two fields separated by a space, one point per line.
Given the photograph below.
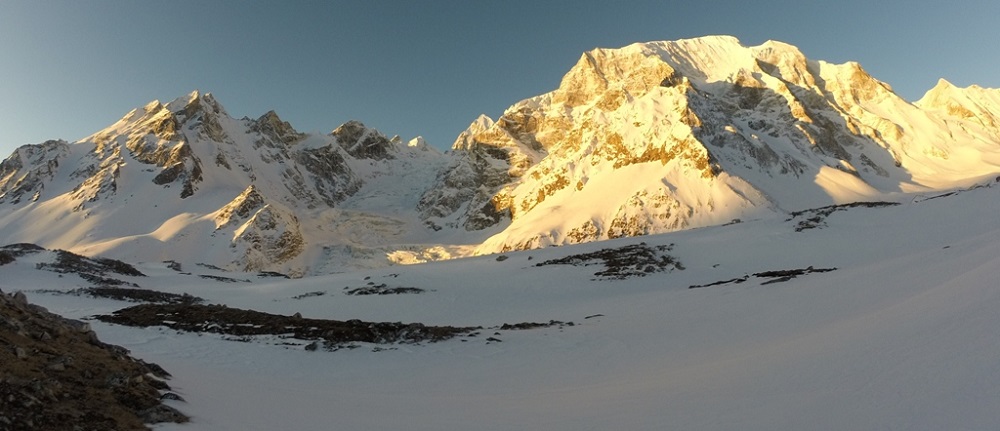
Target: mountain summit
x=648 y=138
x=670 y=135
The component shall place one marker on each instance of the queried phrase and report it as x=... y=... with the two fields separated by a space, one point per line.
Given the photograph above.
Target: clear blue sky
x=70 y=68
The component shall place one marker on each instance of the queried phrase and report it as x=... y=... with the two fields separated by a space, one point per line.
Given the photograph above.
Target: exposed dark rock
x=533 y=325
x=272 y=274
x=21 y=249
x=309 y=294
x=482 y=167
x=275 y=129
x=66 y=379
x=248 y=323
x=362 y=142
x=135 y=295
x=816 y=217
x=94 y=270
x=637 y=260
x=776 y=276
x=333 y=180
x=223 y=279
x=788 y=274
x=23 y=174
x=383 y=289
x=241 y=208
x=737 y=280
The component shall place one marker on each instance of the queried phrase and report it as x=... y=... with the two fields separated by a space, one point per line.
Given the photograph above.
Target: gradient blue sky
x=70 y=68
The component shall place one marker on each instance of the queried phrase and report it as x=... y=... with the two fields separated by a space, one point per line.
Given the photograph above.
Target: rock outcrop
x=56 y=375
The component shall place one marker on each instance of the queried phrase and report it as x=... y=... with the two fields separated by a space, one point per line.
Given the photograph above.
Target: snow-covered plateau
x=692 y=234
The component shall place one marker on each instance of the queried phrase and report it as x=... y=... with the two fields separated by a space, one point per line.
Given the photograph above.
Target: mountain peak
x=276 y=128
x=193 y=103
x=466 y=139
x=362 y=141
x=180 y=102
x=941 y=94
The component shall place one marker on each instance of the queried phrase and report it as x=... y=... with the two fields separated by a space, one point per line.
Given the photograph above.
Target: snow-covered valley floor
x=903 y=335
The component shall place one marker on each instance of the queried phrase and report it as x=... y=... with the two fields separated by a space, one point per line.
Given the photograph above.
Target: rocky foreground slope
x=649 y=138
x=56 y=375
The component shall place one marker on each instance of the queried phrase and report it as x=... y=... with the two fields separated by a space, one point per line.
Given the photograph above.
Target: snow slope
x=901 y=335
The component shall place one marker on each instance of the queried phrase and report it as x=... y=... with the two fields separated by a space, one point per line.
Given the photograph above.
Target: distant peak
x=774 y=49
x=363 y=142
x=179 y=103
x=718 y=39
x=272 y=119
x=778 y=44
x=153 y=106
x=417 y=142
x=350 y=127
x=483 y=122
x=943 y=84
x=940 y=94
x=195 y=102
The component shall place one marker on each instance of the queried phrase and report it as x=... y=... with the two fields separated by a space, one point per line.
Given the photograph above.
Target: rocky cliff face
x=24 y=173
x=487 y=158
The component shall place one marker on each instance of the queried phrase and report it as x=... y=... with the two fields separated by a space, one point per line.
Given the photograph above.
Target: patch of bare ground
x=56 y=375
x=816 y=217
x=770 y=277
x=383 y=289
x=332 y=334
x=636 y=260
x=135 y=295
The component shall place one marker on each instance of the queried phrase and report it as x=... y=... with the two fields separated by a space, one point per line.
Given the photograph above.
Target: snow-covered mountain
x=184 y=181
x=649 y=138
x=662 y=136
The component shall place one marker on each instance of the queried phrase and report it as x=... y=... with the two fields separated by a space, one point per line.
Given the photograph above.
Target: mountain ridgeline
x=649 y=138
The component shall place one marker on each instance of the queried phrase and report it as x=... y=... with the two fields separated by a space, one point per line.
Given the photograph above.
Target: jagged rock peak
x=195 y=102
x=25 y=171
x=419 y=143
x=466 y=140
x=271 y=125
x=242 y=207
x=363 y=142
x=945 y=92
